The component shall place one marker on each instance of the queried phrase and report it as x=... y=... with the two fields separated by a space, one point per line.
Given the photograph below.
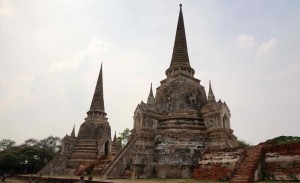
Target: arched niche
x=138 y=121
x=225 y=121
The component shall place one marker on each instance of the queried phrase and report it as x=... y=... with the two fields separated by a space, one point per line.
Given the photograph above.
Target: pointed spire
x=211 y=96
x=73 y=131
x=210 y=89
x=180 y=53
x=97 y=105
x=151 y=92
x=151 y=99
x=180 y=57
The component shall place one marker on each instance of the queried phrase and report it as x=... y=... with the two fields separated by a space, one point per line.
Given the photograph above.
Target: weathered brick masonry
x=219 y=165
x=282 y=162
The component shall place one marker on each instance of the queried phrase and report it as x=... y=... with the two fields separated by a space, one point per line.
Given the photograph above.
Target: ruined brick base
x=218 y=165
x=282 y=162
x=174 y=171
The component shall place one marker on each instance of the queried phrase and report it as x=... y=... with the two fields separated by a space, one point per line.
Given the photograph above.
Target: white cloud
x=32 y=93
x=94 y=51
x=5 y=8
x=21 y=87
x=245 y=41
x=267 y=46
x=49 y=65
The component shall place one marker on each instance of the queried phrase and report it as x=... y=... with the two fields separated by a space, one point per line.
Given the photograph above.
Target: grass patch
x=285 y=140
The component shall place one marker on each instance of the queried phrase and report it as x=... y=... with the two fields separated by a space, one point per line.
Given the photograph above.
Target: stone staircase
x=84 y=151
x=101 y=163
x=246 y=170
x=113 y=163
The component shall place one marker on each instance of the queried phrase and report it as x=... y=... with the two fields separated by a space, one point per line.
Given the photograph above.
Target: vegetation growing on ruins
x=244 y=144
x=285 y=140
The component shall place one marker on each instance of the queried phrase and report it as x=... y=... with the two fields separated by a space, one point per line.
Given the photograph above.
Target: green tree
x=34 y=158
x=50 y=142
x=30 y=142
x=29 y=157
x=123 y=136
x=6 y=143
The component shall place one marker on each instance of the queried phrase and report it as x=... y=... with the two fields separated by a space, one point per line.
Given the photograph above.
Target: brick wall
x=213 y=171
x=218 y=165
x=282 y=162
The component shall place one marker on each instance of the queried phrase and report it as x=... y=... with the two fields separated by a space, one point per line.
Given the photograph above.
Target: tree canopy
x=28 y=157
x=123 y=136
x=6 y=143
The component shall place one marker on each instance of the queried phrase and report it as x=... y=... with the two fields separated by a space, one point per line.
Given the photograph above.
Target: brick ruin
x=179 y=133
x=265 y=161
x=281 y=161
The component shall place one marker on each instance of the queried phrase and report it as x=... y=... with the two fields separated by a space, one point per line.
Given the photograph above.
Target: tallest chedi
x=173 y=130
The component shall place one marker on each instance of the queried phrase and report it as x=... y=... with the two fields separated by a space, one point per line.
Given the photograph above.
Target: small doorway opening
x=106 y=148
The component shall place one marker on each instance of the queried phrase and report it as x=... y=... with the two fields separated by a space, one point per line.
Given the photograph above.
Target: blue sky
x=51 y=51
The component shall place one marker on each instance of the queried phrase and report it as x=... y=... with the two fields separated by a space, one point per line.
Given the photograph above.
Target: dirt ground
x=14 y=180
x=161 y=181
